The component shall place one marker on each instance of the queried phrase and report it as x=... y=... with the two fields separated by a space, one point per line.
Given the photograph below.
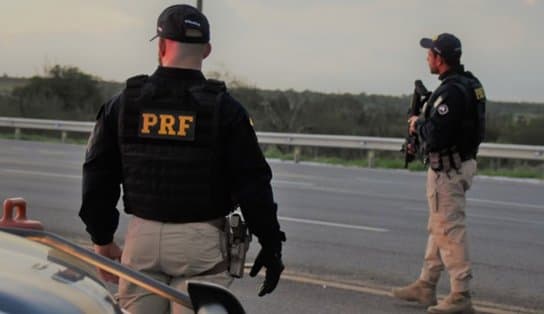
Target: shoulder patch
x=480 y=93
x=442 y=109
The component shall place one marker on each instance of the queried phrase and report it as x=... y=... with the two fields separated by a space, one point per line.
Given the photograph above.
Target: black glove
x=274 y=267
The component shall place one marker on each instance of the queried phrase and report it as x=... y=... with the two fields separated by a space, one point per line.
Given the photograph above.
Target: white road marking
x=55 y=152
x=57 y=162
x=477 y=200
x=332 y=224
x=379 y=181
x=308 y=185
x=470 y=215
x=41 y=174
x=295 y=175
x=403 y=198
x=521 y=221
x=283 y=182
x=337 y=179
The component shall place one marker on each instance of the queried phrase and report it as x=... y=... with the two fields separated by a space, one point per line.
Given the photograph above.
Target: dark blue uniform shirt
x=440 y=128
x=248 y=171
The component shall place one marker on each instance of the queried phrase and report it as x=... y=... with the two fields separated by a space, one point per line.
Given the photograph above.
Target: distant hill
x=110 y=88
x=7 y=84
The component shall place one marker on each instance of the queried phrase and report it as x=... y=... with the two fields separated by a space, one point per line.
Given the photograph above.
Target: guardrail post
x=63 y=136
x=296 y=154
x=17 y=133
x=370 y=156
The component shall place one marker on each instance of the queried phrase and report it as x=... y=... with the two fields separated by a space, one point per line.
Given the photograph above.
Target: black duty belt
x=448 y=159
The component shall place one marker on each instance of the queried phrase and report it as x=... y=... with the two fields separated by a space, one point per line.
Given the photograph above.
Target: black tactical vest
x=169 y=150
x=471 y=131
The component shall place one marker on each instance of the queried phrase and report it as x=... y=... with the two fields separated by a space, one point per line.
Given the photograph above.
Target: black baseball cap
x=446 y=45
x=175 y=20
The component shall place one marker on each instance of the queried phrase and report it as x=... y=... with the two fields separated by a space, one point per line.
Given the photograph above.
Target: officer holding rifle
x=449 y=131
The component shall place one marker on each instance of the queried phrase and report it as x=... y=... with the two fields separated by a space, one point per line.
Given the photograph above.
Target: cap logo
x=192 y=22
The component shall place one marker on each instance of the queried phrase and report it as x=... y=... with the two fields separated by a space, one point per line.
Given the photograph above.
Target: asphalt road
x=352 y=233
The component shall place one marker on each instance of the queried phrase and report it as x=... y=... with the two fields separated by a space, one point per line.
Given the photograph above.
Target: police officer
x=185 y=154
x=451 y=130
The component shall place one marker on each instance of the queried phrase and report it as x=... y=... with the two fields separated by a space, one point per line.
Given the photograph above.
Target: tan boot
x=419 y=291
x=455 y=302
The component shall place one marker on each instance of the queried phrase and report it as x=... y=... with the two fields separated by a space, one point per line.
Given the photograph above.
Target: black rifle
x=410 y=148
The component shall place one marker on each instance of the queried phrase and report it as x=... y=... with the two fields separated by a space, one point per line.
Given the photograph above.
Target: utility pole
x=199 y=5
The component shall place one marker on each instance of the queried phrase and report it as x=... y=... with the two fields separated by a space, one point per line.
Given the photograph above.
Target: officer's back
x=186 y=154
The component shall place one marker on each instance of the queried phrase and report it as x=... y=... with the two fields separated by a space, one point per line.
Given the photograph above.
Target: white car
x=41 y=272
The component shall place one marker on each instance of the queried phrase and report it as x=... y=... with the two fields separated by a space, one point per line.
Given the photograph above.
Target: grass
x=531 y=172
x=518 y=172
x=387 y=163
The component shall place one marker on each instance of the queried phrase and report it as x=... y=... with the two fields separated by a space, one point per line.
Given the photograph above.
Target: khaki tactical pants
x=447 y=245
x=171 y=253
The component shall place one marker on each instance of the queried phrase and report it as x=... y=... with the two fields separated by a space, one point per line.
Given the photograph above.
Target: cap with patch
x=175 y=21
x=446 y=45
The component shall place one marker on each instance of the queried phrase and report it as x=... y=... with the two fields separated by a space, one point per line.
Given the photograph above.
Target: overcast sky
x=351 y=46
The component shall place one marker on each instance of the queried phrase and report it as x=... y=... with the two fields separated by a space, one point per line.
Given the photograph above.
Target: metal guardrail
x=294 y=139
x=41 y=124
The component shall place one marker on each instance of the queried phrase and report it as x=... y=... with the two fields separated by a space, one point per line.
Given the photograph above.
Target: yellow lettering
x=167 y=124
x=149 y=120
x=184 y=124
x=480 y=94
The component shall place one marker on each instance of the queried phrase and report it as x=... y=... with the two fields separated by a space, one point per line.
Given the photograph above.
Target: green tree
x=65 y=92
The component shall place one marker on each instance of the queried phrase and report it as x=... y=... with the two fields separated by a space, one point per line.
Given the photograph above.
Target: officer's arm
x=251 y=175
x=102 y=177
x=441 y=128
x=251 y=187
